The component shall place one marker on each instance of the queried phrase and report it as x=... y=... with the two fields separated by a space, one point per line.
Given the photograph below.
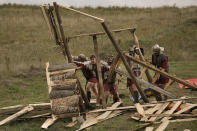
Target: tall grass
x=25 y=39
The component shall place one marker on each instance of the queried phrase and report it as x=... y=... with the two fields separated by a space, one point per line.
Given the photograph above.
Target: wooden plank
x=99 y=33
x=35 y=116
x=61 y=72
x=149 y=128
x=140 y=109
x=107 y=113
x=49 y=122
x=147 y=84
x=48 y=77
x=151 y=111
x=120 y=108
x=163 y=126
x=184 y=120
x=176 y=105
x=94 y=121
x=65 y=41
x=163 y=107
x=43 y=9
x=98 y=64
x=161 y=72
x=14 y=116
x=116 y=46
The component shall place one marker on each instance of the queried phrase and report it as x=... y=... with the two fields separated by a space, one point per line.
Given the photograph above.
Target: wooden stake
x=124 y=61
x=98 y=64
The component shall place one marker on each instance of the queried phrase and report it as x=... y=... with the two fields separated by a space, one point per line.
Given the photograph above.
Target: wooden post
x=50 y=20
x=140 y=55
x=161 y=72
x=124 y=61
x=65 y=41
x=99 y=71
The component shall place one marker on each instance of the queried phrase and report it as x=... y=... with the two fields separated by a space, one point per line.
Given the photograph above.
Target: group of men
x=89 y=70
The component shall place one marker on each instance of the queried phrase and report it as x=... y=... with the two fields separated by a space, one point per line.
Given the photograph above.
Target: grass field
x=25 y=47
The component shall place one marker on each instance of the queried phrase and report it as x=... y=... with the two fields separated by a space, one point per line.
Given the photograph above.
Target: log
x=67 y=75
x=66 y=86
x=64 y=109
x=53 y=68
x=66 y=101
x=65 y=41
x=63 y=82
x=61 y=72
x=116 y=46
x=60 y=93
x=14 y=116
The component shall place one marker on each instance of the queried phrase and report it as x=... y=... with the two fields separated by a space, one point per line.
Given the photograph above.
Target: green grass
x=25 y=41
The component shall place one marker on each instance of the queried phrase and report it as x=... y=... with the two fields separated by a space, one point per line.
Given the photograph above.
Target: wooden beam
x=163 y=126
x=161 y=72
x=151 y=110
x=65 y=41
x=14 y=116
x=98 y=64
x=147 y=84
x=99 y=33
x=176 y=105
x=116 y=46
x=82 y=13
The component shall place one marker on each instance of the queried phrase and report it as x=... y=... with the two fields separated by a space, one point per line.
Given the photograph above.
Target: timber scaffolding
x=53 y=19
x=54 y=22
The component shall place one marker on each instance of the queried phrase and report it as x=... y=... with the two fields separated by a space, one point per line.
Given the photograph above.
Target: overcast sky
x=107 y=3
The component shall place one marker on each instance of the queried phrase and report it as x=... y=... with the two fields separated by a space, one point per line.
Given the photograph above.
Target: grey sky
x=107 y=3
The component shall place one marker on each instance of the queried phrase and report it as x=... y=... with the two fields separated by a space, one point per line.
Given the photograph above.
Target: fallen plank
x=14 y=116
x=121 y=108
x=149 y=128
x=163 y=126
x=140 y=109
x=49 y=122
x=163 y=107
x=176 y=105
x=35 y=116
x=94 y=121
x=184 y=109
x=106 y=114
x=166 y=115
x=183 y=120
x=150 y=111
